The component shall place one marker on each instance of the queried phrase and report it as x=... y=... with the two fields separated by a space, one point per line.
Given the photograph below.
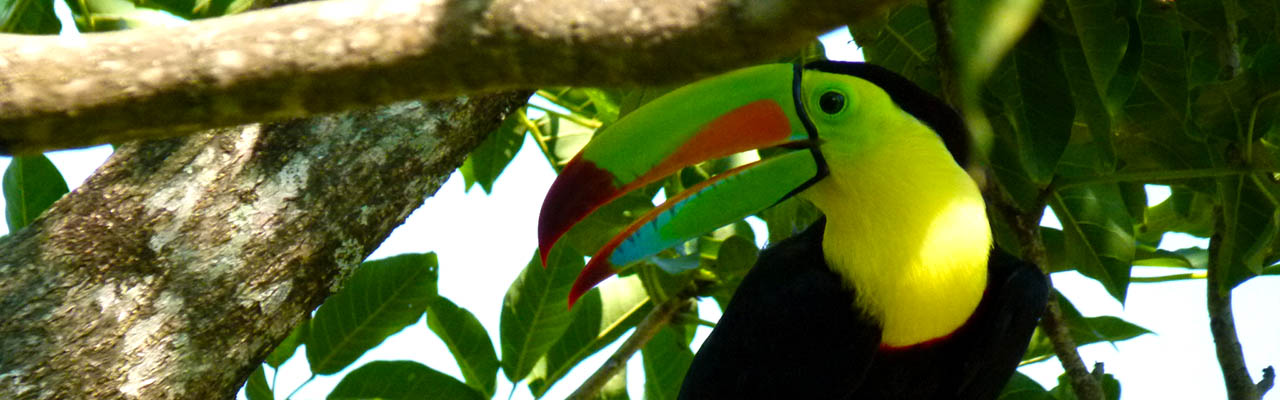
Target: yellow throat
x=906 y=228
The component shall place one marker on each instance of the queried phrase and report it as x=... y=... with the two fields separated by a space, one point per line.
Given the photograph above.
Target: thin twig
x=645 y=331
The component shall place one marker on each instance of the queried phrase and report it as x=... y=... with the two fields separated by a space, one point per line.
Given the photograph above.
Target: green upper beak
x=747 y=109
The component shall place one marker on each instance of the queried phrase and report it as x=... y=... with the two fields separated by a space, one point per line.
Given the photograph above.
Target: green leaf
x=789 y=217
x=1135 y=200
x=1098 y=235
x=257 y=387
x=1098 y=230
x=381 y=298
x=1105 y=39
x=1088 y=101
x=905 y=43
x=284 y=351
x=1006 y=160
x=29 y=17
x=467 y=340
x=1084 y=331
x=31 y=184
x=600 y=317
x=984 y=31
x=733 y=260
x=1035 y=91
x=1164 y=60
x=1022 y=387
x=604 y=103
x=401 y=380
x=1185 y=211
x=535 y=311
x=487 y=161
x=1222 y=108
x=666 y=358
x=598 y=105
x=1249 y=225
x=564 y=138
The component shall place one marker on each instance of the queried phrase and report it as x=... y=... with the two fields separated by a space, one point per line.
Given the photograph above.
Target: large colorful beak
x=748 y=109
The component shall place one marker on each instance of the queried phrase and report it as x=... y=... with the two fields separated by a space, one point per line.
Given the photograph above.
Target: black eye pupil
x=831 y=102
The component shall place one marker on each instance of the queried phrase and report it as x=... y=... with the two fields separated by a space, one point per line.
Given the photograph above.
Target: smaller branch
x=1027 y=227
x=1268 y=380
x=645 y=331
x=1222 y=325
x=1084 y=384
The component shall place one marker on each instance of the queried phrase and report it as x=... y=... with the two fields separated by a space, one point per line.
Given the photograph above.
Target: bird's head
x=815 y=121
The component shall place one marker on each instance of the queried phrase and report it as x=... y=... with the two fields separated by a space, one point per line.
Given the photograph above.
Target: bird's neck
x=907 y=229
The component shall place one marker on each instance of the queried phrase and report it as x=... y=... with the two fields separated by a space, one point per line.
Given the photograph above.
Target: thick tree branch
x=176 y=268
x=334 y=55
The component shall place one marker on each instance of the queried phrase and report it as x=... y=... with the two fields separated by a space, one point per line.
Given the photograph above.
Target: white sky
x=483 y=242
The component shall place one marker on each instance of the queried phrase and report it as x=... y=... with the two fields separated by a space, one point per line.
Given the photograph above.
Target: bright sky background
x=483 y=241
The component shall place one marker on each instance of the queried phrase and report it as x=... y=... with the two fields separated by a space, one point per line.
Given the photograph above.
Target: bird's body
x=791 y=332
x=898 y=293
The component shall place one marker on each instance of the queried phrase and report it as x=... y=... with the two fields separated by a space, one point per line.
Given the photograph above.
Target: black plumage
x=791 y=331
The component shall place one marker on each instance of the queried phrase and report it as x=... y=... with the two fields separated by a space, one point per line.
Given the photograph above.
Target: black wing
x=790 y=332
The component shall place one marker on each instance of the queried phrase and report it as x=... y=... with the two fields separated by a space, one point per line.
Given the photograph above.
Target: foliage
x=1077 y=103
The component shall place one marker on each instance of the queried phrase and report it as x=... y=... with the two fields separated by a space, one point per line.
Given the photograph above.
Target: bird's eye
x=831 y=102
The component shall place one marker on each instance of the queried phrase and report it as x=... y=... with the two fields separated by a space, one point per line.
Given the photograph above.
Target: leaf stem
x=1168 y=278
x=538 y=138
x=645 y=331
x=1253 y=118
x=1150 y=176
x=590 y=123
x=304 y=383
x=555 y=98
x=704 y=322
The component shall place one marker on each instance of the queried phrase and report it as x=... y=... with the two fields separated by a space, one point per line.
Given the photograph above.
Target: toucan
x=898 y=292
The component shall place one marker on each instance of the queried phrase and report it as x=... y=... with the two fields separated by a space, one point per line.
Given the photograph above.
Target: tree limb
x=177 y=267
x=334 y=55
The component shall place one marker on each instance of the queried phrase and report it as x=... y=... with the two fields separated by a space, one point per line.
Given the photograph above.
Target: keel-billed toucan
x=898 y=293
